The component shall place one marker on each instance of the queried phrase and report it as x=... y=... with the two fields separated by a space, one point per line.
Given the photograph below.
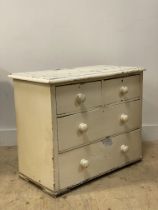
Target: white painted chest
x=76 y=124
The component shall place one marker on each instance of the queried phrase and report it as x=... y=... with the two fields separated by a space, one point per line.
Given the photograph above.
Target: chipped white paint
x=75 y=74
x=70 y=133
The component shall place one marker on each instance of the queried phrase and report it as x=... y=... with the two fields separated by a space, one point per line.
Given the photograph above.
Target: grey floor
x=132 y=188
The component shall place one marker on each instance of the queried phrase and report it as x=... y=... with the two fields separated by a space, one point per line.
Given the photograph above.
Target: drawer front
x=116 y=90
x=78 y=97
x=70 y=128
x=82 y=128
x=80 y=164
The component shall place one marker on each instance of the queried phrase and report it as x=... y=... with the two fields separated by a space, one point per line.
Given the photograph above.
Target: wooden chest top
x=75 y=74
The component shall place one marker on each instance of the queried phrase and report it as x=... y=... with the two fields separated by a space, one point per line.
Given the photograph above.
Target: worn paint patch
x=76 y=74
x=107 y=141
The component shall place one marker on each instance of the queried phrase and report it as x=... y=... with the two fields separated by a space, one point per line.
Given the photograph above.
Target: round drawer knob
x=124 y=90
x=84 y=163
x=124 y=118
x=80 y=98
x=124 y=148
x=83 y=127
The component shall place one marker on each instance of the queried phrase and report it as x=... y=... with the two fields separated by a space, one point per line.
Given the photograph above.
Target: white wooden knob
x=80 y=98
x=124 y=90
x=84 y=163
x=124 y=118
x=83 y=127
x=124 y=148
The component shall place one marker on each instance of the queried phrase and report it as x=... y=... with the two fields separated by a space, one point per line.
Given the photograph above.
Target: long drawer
x=98 y=158
x=85 y=127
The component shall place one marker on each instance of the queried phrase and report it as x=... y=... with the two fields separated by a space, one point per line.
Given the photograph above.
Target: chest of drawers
x=77 y=124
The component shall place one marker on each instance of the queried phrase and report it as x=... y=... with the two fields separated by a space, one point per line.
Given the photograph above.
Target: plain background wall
x=46 y=34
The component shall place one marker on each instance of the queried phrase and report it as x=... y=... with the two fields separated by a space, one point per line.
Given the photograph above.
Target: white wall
x=38 y=34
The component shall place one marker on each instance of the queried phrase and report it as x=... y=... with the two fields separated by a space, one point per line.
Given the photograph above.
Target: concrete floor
x=132 y=188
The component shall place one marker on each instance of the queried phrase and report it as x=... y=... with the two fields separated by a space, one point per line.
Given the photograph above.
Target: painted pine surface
x=75 y=74
x=34 y=132
x=101 y=122
x=63 y=142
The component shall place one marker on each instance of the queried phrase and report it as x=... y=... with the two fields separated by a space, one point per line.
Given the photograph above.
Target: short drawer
x=82 y=128
x=78 y=97
x=120 y=89
x=87 y=162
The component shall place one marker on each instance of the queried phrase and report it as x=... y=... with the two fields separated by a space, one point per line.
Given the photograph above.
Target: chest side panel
x=34 y=131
